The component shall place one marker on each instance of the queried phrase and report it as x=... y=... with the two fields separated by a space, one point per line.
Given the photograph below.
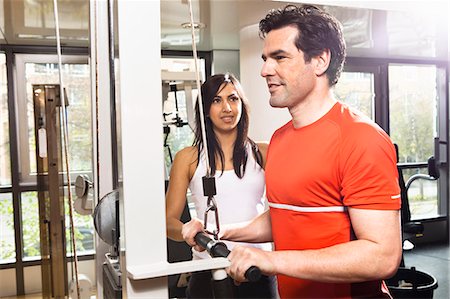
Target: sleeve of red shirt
x=368 y=169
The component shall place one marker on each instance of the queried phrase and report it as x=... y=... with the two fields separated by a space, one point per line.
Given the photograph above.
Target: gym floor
x=433 y=259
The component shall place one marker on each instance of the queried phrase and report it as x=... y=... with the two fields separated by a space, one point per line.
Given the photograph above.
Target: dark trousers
x=200 y=286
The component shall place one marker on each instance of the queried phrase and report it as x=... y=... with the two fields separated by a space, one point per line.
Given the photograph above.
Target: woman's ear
x=322 y=62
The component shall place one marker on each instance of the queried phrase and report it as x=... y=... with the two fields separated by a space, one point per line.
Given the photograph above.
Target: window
x=412 y=34
x=5 y=159
x=43 y=69
x=413 y=106
x=30 y=226
x=179 y=97
x=34 y=69
x=422 y=195
x=356 y=89
x=7 y=244
x=413 y=121
x=84 y=231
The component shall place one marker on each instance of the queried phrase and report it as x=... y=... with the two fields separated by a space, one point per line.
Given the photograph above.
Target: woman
x=236 y=162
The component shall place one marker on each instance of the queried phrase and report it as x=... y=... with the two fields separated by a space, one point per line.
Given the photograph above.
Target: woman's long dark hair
x=209 y=90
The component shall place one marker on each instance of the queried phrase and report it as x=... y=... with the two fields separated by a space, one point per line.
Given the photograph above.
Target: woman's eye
x=217 y=100
x=234 y=99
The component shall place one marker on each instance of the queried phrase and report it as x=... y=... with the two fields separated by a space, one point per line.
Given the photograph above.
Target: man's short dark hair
x=317 y=31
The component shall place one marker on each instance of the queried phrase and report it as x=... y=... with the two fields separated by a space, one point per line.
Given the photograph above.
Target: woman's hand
x=189 y=230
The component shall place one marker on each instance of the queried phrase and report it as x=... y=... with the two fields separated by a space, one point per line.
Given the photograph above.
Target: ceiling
x=31 y=22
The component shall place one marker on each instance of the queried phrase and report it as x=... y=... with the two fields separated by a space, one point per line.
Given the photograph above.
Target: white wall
x=264 y=119
x=7 y=282
x=33 y=278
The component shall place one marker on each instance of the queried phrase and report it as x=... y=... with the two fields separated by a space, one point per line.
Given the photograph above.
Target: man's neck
x=312 y=109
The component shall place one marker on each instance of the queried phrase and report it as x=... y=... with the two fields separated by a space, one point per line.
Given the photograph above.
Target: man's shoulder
x=283 y=129
x=354 y=122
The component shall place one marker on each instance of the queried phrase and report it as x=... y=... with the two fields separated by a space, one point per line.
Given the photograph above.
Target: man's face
x=288 y=77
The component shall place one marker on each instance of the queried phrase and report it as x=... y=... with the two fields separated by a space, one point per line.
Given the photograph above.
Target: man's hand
x=242 y=258
x=189 y=230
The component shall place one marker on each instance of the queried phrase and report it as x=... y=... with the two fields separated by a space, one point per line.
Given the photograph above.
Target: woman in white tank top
x=237 y=164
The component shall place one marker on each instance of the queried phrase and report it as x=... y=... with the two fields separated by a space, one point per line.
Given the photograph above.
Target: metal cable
x=65 y=131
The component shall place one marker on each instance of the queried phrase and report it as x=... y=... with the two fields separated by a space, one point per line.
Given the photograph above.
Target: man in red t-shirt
x=331 y=174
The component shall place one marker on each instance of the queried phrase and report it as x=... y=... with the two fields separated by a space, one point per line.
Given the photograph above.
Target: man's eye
x=279 y=57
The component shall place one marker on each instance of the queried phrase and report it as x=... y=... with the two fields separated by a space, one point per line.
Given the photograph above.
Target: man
x=331 y=175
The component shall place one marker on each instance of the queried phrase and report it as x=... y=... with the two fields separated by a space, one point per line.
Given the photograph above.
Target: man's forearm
x=358 y=261
x=258 y=230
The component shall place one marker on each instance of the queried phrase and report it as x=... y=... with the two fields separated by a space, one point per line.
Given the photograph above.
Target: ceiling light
x=197 y=25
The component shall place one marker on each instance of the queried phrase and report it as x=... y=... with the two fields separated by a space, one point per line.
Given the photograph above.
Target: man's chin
x=275 y=104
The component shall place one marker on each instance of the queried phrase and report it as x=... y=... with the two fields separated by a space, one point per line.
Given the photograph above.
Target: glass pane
x=422 y=195
x=84 y=231
x=411 y=34
x=77 y=83
x=179 y=95
x=356 y=89
x=30 y=225
x=181 y=65
x=5 y=160
x=357 y=25
x=413 y=108
x=7 y=244
x=177 y=132
x=176 y=139
x=2 y=20
x=72 y=14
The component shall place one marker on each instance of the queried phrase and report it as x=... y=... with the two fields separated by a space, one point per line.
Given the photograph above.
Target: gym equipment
x=221 y=286
x=409 y=282
x=106 y=223
x=219 y=249
x=83 y=202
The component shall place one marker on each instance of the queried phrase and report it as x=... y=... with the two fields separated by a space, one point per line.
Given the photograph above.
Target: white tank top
x=238 y=200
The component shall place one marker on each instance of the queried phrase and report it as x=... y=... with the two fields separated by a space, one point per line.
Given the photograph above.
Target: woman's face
x=226 y=109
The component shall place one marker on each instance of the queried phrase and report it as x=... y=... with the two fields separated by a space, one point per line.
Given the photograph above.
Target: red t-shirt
x=312 y=174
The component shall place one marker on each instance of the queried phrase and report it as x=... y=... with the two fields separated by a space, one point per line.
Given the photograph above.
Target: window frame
x=26 y=178
x=379 y=66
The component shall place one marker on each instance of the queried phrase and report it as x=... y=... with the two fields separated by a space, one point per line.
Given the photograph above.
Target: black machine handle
x=219 y=249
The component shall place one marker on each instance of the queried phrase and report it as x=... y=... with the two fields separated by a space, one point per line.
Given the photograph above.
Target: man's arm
x=258 y=230
x=374 y=255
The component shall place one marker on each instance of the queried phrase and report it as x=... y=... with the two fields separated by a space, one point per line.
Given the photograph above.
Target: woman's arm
x=181 y=173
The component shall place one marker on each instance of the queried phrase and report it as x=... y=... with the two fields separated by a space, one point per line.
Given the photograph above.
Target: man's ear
x=322 y=62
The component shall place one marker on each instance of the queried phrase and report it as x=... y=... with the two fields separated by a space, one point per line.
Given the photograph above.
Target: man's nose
x=267 y=69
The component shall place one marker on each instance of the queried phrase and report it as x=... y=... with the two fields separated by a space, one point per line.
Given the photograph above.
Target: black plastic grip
x=253 y=274
x=219 y=249
x=202 y=240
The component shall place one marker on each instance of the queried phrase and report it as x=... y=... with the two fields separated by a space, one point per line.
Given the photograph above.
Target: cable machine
x=47 y=104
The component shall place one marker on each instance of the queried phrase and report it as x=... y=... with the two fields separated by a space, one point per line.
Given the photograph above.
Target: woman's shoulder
x=186 y=161
x=262 y=146
x=187 y=154
x=262 y=149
